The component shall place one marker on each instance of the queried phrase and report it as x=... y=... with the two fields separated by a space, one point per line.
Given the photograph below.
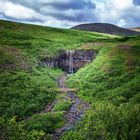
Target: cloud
x=67 y=13
x=62 y=13
x=122 y=5
x=122 y=13
x=71 y=4
x=137 y=2
x=17 y=11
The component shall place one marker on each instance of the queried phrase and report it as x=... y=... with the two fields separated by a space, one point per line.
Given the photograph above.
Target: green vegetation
x=62 y=102
x=11 y=130
x=62 y=106
x=38 y=42
x=23 y=93
x=46 y=122
x=26 y=87
x=110 y=83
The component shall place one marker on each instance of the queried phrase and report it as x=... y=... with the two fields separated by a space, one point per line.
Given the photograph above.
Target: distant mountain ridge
x=106 y=28
x=137 y=29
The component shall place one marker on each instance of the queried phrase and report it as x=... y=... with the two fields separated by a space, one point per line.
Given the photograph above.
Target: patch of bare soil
x=125 y=47
x=89 y=45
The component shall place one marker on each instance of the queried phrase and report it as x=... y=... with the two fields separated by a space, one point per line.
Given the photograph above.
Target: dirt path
x=76 y=111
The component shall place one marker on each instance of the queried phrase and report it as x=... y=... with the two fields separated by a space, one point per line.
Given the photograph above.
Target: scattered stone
x=74 y=114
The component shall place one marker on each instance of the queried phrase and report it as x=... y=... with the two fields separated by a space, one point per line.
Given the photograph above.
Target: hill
x=26 y=86
x=109 y=83
x=105 y=28
x=137 y=29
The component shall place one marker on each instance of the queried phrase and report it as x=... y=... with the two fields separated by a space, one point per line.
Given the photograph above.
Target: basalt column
x=71 y=60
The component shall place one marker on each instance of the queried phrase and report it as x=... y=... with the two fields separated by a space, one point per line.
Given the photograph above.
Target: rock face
x=71 y=60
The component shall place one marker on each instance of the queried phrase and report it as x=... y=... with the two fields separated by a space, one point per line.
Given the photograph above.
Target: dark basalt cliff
x=71 y=60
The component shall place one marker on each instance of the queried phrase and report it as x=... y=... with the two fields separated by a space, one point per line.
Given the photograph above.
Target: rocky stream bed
x=76 y=111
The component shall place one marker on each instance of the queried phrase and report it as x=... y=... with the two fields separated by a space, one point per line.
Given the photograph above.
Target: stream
x=78 y=106
x=76 y=111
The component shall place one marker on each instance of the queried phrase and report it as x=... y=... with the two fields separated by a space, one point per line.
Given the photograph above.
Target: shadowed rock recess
x=71 y=60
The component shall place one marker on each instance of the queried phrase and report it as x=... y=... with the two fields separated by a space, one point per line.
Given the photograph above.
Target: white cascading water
x=71 y=52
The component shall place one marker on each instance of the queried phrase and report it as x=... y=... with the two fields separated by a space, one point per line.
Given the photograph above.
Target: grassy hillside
x=110 y=83
x=25 y=86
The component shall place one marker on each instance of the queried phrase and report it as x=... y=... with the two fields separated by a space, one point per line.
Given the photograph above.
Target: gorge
x=71 y=60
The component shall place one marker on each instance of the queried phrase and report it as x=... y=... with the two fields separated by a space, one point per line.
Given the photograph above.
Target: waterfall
x=70 y=60
x=70 y=54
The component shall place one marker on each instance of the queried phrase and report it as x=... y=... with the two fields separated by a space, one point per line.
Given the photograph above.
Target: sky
x=68 y=13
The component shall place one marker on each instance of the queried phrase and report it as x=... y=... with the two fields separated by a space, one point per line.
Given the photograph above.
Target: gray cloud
x=122 y=13
x=137 y=2
x=66 y=13
x=81 y=4
x=59 y=9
